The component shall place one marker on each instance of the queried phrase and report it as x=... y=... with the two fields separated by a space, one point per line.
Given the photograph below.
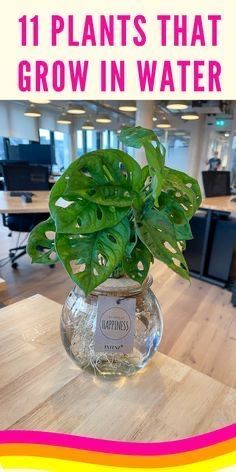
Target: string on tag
x=120 y=300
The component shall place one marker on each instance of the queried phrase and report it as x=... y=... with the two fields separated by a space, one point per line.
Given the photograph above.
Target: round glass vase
x=78 y=327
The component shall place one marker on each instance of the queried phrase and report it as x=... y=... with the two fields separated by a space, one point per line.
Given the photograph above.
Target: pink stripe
x=119 y=447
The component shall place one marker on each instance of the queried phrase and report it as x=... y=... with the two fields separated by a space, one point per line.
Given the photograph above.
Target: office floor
x=199 y=320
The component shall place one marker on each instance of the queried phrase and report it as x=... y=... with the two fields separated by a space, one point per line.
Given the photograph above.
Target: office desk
x=211 y=253
x=220 y=204
x=42 y=389
x=10 y=204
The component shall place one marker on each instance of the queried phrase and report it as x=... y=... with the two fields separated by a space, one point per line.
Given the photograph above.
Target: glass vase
x=78 y=327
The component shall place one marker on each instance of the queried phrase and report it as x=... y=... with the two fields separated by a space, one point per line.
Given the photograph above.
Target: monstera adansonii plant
x=110 y=217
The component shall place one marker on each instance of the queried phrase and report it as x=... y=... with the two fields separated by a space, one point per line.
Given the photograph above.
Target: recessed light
x=76 y=110
x=191 y=116
x=39 y=101
x=88 y=125
x=32 y=111
x=177 y=105
x=164 y=125
x=103 y=119
x=64 y=119
x=180 y=133
x=128 y=106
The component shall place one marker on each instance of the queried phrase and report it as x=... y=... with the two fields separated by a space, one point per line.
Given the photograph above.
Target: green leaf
x=107 y=177
x=41 y=247
x=156 y=167
x=157 y=233
x=133 y=239
x=144 y=175
x=137 y=136
x=155 y=155
x=169 y=204
x=184 y=189
x=90 y=259
x=183 y=232
x=136 y=266
x=82 y=216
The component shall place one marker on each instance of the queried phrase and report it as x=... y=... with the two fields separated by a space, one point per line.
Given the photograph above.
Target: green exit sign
x=220 y=123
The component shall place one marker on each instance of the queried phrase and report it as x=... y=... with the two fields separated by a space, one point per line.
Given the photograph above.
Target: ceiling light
x=191 y=116
x=76 y=110
x=39 y=101
x=103 y=119
x=64 y=119
x=180 y=133
x=88 y=125
x=32 y=111
x=154 y=118
x=177 y=105
x=164 y=125
x=227 y=135
x=128 y=106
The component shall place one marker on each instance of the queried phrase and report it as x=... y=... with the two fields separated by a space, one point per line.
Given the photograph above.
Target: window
x=87 y=141
x=17 y=141
x=2 y=150
x=80 y=143
x=114 y=142
x=61 y=142
x=90 y=137
x=44 y=136
x=106 y=139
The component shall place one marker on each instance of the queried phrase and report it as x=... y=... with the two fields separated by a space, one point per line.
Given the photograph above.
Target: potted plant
x=109 y=219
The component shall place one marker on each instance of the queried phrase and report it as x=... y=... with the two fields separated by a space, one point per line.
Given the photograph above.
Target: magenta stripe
x=119 y=447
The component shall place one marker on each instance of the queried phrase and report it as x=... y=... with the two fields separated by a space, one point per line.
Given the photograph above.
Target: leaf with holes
x=136 y=266
x=158 y=234
x=171 y=206
x=156 y=167
x=82 y=216
x=41 y=247
x=183 y=232
x=137 y=136
x=187 y=190
x=145 y=176
x=90 y=259
x=107 y=177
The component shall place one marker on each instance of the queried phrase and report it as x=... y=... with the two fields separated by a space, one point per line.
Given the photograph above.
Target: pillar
x=198 y=147
x=144 y=115
x=73 y=140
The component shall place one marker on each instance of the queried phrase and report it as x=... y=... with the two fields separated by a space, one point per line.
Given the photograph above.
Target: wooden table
x=220 y=204
x=2 y=284
x=10 y=204
x=42 y=389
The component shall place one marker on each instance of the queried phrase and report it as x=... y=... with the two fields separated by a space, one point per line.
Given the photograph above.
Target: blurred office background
x=191 y=131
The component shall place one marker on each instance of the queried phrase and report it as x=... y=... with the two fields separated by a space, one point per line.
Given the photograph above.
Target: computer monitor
x=216 y=183
x=32 y=153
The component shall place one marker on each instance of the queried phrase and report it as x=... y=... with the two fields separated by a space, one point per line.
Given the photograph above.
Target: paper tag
x=115 y=325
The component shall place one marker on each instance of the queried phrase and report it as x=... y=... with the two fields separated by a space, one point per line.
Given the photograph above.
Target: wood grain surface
x=220 y=203
x=42 y=389
x=2 y=285
x=10 y=204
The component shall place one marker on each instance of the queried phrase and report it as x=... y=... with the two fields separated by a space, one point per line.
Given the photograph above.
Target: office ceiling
x=215 y=111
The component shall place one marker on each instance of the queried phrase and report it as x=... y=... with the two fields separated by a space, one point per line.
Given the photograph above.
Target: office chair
x=21 y=176
x=216 y=183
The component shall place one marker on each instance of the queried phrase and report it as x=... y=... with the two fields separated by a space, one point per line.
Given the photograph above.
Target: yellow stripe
x=28 y=464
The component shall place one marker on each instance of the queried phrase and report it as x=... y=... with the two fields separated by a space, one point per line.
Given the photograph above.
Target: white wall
x=13 y=123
